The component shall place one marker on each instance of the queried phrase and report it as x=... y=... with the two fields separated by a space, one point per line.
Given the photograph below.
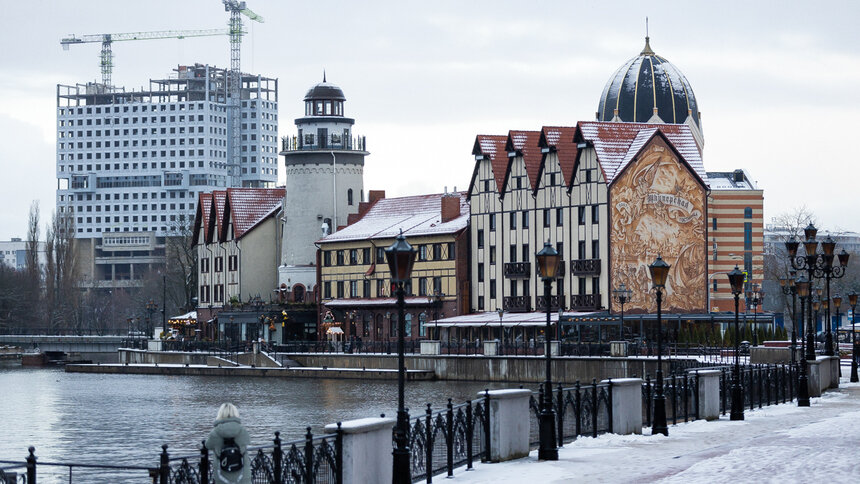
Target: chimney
x=450 y=207
x=375 y=195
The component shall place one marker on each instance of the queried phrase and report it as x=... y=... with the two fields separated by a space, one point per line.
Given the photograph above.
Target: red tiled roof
x=493 y=147
x=526 y=143
x=617 y=143
x=250 y=206
x=560 y=138
x=416 y=215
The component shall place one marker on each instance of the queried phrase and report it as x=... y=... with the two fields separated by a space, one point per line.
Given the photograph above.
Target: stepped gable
x=249 y=206
x=493 y=147
x=616 y=144
x=416 y=215
x=560 y=140
x=525 y=144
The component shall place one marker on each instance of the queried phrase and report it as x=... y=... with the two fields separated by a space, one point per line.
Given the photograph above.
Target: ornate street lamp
x=659 y=272
x=622 y=296
x=789 y=289
x=547 y=260
x=400 y=257
x=755 y=297
x=837 y=303
x=151 y=307
x=802 y=286
x=819 y=266
x=736 y=280
x=852 y=300
x=501 y=330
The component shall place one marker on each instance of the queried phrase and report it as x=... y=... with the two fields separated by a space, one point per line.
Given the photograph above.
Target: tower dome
x=648 y=88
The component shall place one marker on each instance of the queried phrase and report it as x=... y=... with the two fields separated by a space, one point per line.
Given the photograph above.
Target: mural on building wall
x=658 y=207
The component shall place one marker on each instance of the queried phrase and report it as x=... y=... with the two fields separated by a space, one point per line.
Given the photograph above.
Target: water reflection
x=124 y=419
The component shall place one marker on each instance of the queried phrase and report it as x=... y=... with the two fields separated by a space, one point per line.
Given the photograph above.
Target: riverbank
x=250 y=371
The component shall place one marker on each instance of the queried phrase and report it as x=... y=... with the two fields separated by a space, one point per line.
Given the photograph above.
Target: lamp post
x=819 y=266
x=852 y=300
x=400 y=257
x=736 y=280
x=789 y=289
x=547 y=260
x=802 y=286
x=622 y=296
x=837 y=304
x=659 y=272
x=755 y=298
x=501 y=330
x=151 y=307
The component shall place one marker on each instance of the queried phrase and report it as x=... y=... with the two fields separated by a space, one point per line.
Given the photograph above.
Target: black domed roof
x=643 y=83
x=325 y=90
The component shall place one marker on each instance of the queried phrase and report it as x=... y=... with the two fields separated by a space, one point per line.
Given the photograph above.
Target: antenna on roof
x=323 y=75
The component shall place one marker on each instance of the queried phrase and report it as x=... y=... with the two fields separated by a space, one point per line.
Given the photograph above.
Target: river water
x=124 y=419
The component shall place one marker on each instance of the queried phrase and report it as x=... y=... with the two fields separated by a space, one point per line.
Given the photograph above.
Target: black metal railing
x=585 y=267
x=580 y=302
x=306 y=461
x=580 y=410
x=518 y=270
x=444 y=440
x=553 y=303
x=517 y=304
x=29 y=471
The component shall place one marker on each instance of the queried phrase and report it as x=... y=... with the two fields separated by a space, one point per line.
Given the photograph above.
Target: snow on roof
x=617 y=143
x=201 y=215
x=493 y=147
x=525 y=143
x=416 y=215
x=250 y=206
x=560 y=138
x=730 y=180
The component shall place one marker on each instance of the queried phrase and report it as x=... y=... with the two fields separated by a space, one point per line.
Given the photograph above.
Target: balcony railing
x=517 y=304
x=553 y=303
x=585 y=267
x=518 y=270
x=332 y=142
x=585 y=302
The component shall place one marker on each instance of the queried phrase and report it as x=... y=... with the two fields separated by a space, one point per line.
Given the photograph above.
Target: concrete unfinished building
x=131 y=163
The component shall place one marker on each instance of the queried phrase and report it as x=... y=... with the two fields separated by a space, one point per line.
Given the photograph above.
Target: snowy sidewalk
x=779 y=444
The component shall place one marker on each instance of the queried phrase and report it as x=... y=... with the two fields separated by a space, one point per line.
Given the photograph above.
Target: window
x=714 y=223
x=327 y=289
x=480 y=272
x=747 y=212
x=233 y=263
x=340 y=257
x=349 y=196
x=437 y=251
x=480 y=304
x=581 y=247
x=715 y=285
x=525 y=219
x=353 y=257
x=580 y=215
x=380 y=255
x=422 y=320
x=747 y=235
x=204 y=265
x=595 y=249
x=219 y=293
x=480 y=238
x=365 y=290
x=422 y=286
x=546 y=217
x=492 y=254
x=581 y=286
x=492 y=222
x=559 y=217
x=407 y=322
x=380 y=287
x=513 y=290
x=513 y=219
x=587 y=176
x=353 y=288
x=365 y=256
x=340 y=289
x=492 y=288
x=451 y=251
x=204 y=294
x=437 y=285
x=512 y=253
x=326 y=258
x=219 y=264
x=526 y=289
x=595 y=214
x=392 y=324
x=422 y=252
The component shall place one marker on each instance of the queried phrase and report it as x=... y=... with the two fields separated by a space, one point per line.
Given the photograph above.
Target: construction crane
x=107 y=39
x=234 y=79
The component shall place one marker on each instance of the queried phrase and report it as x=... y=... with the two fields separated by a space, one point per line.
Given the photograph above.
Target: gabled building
x=354 y=277
x=237 y=235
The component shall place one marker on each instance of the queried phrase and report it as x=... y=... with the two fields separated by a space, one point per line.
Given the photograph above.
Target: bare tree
x=182 y=265
x=62 y=292
x=33 y=272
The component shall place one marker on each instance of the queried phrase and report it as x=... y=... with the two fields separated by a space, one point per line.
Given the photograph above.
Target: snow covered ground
x=777 y=444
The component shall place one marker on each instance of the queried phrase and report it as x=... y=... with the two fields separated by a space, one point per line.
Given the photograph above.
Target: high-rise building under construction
x=130 y=163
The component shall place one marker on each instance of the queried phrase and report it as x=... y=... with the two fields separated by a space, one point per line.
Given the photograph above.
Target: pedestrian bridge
x=64 y=344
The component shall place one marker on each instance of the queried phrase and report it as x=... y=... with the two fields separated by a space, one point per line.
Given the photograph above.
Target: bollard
x=31 y=466
x=470 y=431
x=559 y=413
x=277 y=459
x=164 y=467
x=450 y=440
x=204 y=463
x=309 y=456
x=428 y=442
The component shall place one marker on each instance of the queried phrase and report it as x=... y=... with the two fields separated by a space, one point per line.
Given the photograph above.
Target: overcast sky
x=776 y=82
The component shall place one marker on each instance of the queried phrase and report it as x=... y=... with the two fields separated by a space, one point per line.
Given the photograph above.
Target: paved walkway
x=779 y=444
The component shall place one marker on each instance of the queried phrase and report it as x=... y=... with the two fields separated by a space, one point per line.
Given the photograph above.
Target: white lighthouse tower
x=325 y=183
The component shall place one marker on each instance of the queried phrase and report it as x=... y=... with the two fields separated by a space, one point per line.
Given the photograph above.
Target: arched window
x=349 y=196
x=422 y=320
x=378 y=330
x=408 y=321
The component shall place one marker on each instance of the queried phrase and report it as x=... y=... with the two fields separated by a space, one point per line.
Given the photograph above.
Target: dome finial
x=647 y=50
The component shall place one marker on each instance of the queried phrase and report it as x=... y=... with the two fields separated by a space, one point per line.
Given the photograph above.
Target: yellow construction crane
x=107 y=39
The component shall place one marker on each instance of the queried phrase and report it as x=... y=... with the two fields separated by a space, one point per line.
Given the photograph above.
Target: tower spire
x=647 y=49
x=323 y=75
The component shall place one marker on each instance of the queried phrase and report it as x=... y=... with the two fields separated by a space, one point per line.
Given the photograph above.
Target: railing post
x=309 y=457
x=428 y=444
x=486 y=423
x=450 y=440
x=648 y=400
x=277 y=459
x=760 y=385
x=31 y=465
x=686 y=390
x=698 y=389
x=469 y=434
x=338 y=451
x=594 y=409
x=204 y=463
x=577 y=410
x=609 y=404
x=164 y=467
x=559 y=414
